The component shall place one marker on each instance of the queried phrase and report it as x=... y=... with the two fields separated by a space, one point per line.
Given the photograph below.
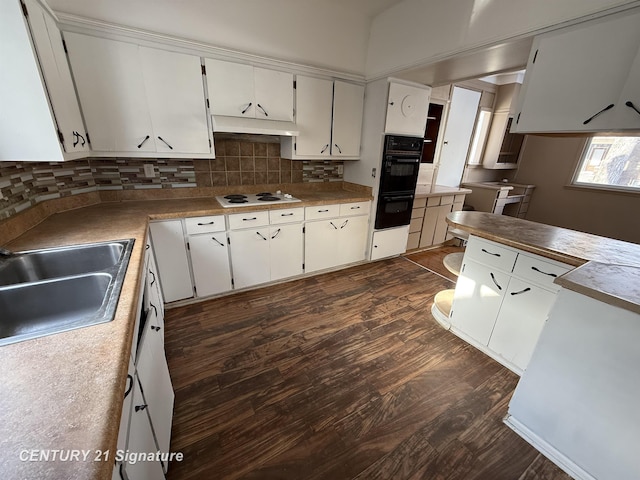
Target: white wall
x=319 y=34
x=417 y=32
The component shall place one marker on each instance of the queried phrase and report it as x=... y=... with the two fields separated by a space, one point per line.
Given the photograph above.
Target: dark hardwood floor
x=345 y=375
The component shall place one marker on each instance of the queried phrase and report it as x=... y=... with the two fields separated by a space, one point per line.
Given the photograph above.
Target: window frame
x=582 y=161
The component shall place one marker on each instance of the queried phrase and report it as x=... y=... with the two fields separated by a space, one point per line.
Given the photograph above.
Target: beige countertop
x=609 y=269
x=497 y=185
x=65 y=391
x=423 y=191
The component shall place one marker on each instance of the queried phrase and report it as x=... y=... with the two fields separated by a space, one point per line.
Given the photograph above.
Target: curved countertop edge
x=65 y=391
x=607 y=270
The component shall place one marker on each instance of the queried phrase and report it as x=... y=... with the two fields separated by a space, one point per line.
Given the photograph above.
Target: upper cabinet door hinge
x=60 y=137
x=518 y=119
x=204 y=70
x=88 y=139
x=295 y=85
x=188 y=246
x=209 y=143
x=64 y=46
x=535 y=55
x=208 y=106
x=25 y=12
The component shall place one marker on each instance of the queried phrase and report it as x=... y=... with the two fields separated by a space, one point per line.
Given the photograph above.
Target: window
x=610 y=162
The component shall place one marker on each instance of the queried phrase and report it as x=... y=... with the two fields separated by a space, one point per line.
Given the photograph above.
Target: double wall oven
x=398 y=178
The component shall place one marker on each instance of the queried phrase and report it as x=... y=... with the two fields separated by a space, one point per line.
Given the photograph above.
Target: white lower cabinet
x=477 y=299
x=210 y=263
x=266 y=253
x=173 y=263
x=502 y=300
x=522 y=315
x=337 y=240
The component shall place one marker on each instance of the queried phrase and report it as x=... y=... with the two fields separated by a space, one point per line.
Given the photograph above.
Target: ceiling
x=369 y=8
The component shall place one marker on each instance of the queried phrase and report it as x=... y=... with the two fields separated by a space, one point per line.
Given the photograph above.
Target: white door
x=250 y=256
x=352 y=239
x=155 y=381
x=457 y=136
x=141 y=440
x=175 y=95
x=477 y=299
x=285 y=250
x=314 y=100
x=210 y=263
x=231 y=89
x=348 y=103
x=321 y=244
x=522 y=316
x=173 y=264
x=57 y=76
x=112 y=93
x=407 y=109
x=576 y=74
x=389 y=242
x=273 y=94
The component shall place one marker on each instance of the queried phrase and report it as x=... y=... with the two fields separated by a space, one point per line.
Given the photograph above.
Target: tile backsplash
x=238 y=162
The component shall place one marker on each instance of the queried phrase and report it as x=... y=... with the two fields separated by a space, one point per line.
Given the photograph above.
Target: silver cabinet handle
x=217 y=241
x=142 y=142
x=246 y=108
x=495 y=281
x=249 y=219
x=491 y=253
x=608 y=107
x=521 y=291
x=263 y=110
x=276 y=234
x=536 y=269
x=336 y=145
x=261 y=236
x=286 y=214
x=209 y=223
x=333 y=225
x=344 y=224
x=165 y=142
x=324 y=148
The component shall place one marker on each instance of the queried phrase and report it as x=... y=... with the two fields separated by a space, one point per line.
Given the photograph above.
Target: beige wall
x=549 y=162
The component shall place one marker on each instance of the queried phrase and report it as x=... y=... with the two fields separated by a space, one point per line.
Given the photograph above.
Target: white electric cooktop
x=253 y=199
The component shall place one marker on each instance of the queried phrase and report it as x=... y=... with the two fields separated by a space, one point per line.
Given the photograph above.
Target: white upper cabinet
x=239 y=90
x=40 y=118
x=329 y=120
x=579 y=78
x=137 y=100
x=348 y=103
x=407 y=109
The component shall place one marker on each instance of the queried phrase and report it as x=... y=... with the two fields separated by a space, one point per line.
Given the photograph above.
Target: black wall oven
x=398 y=178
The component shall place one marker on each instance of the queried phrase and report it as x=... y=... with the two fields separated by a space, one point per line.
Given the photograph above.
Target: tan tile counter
x=65 y=391
x=609 y=269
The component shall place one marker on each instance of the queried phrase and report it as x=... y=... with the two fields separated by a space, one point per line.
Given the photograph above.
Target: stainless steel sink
x=54 y=290
x=59 y=262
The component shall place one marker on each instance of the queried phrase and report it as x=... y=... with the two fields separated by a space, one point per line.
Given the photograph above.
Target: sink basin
x=60 y=262
x=49 y=291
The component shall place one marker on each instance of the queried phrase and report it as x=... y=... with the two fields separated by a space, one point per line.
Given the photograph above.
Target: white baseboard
x=562 y=461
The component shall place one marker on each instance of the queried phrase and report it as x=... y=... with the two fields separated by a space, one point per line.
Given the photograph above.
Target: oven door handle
x=397 y=197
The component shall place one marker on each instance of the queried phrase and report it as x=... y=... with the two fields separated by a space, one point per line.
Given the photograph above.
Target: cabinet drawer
x=415 y=225
x=204 y=224
x=289 y=215
x=321 y=211
x=420 y=202
x=541 y=271
x=247 y=220
x=417 y=213
x=355 y=208
x=490 y=253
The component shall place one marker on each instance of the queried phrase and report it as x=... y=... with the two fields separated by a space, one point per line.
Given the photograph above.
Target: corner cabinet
x=40 y=119
x=140 y=101
x=502 y=299
x=592 y=91
x=239 y=90
x=173 y=264
x=329 y=119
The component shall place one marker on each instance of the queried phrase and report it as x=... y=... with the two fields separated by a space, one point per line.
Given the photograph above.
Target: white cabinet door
x=626 y=116
x=348 y=103
x=575 y=73
x=389 y=242
x=57 y=76
x=155 y=381
x=112 y=93
x=321 y=244
x=457 y=136
x=173 y=264
x=250 y=256
x=477 y=299
x=175 y=95
x=154 y=294
x=285 y=251
x=141 y=440
x=522 y=316
x=352 y=239
x=273 y=94
x=231 y=88
x=407 y=109
x=314 y=100
x=210 y=263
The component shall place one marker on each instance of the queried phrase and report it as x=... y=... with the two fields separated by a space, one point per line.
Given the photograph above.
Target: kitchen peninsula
x=576 y=401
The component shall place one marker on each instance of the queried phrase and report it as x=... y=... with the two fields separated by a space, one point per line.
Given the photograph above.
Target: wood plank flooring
x=339 y=376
